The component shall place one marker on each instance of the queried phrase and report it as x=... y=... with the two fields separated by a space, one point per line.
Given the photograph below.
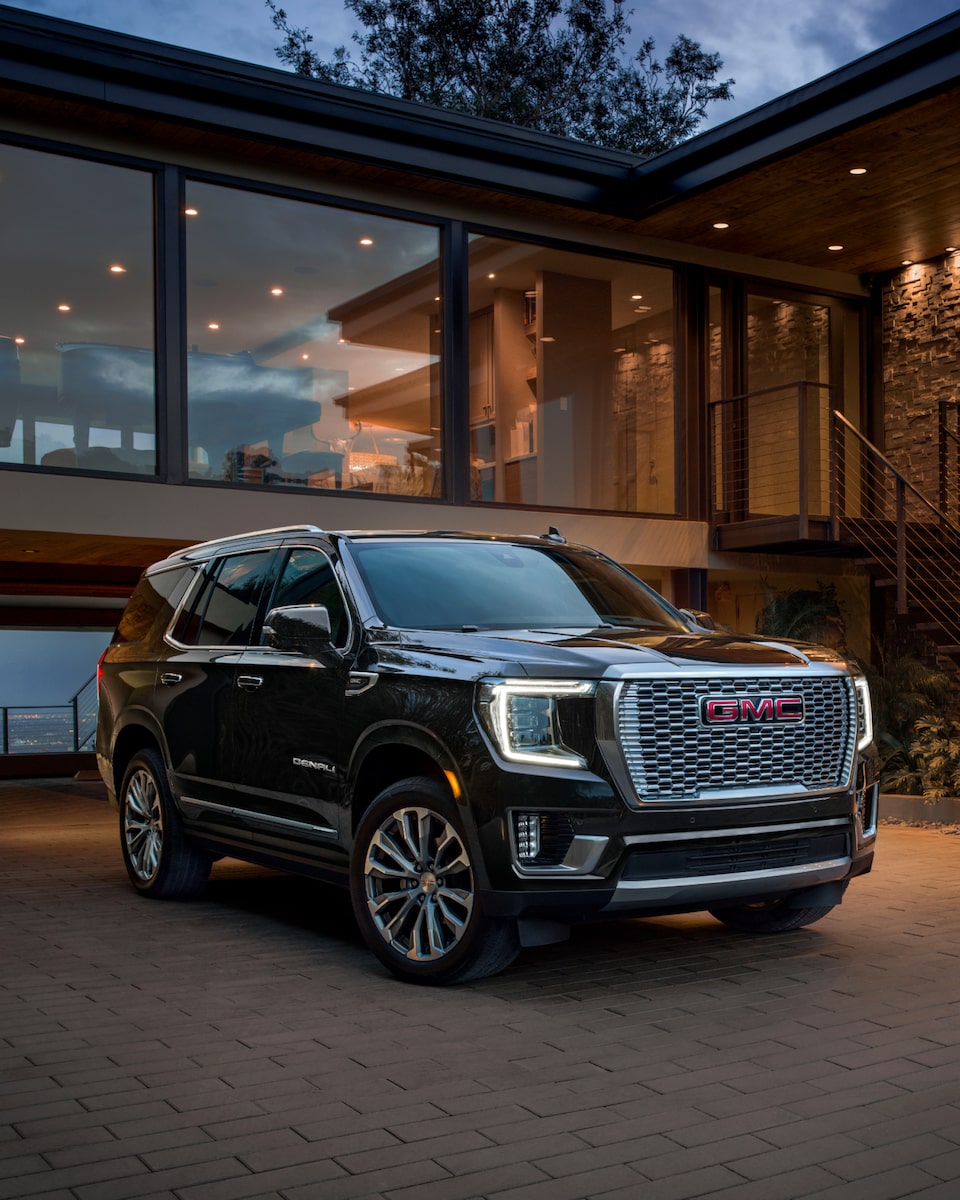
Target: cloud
x=771 y=47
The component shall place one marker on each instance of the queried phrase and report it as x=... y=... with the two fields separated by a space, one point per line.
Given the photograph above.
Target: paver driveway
x=247 y=1045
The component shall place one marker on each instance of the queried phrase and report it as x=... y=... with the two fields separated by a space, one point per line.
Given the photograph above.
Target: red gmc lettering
x=745 y=709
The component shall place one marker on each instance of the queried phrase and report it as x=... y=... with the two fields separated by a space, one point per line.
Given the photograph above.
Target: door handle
x=249 y=683
x=169 y=678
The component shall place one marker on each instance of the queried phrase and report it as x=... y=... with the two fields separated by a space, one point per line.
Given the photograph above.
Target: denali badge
x=314 y=764
x=749 y=710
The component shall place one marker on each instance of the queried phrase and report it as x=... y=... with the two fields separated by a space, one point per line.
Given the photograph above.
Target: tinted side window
x=308 y=578
x=225 y=607
x=152 y=604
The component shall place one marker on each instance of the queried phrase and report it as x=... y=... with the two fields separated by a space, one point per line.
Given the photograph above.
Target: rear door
x=197 y=676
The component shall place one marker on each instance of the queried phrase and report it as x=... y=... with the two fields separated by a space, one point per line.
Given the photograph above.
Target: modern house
x=234 y=298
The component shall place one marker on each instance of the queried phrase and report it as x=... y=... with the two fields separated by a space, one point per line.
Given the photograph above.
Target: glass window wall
x=313 y=345
x=787 y=409
x=572 y=379
x=77 y=357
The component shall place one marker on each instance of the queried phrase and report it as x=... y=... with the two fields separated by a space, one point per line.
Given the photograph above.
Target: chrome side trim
x=709 y=889
x=249 y=814
x=637 y=839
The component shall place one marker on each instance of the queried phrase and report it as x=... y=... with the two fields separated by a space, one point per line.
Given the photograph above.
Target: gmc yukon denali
x=484 y=738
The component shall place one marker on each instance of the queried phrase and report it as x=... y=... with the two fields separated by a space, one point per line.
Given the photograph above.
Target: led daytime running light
x=864 y=713
x=504 y=724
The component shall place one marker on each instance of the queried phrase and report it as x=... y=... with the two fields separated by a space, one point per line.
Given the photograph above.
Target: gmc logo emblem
x=745 y=710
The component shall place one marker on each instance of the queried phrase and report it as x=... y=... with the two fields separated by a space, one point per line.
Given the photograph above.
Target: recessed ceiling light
x=276 y=291
x=63 y=308
x=619 y=349
x=907 y=262
x=642 y=308
x=214 y=325
x=116 y=269
x=835 y=246
x=20 y=341
x=436 y=298
x=492 y=275
x=367 y=241
x=858 y=170
x=637 y=296
x=28 y=550
x=305 y=357
x=191 y=212
x=950 y=250
x=721 y=224
x=548 y=339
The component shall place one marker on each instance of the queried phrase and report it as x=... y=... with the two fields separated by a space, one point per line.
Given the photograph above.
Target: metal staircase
x=790 y=473
x=912 y=545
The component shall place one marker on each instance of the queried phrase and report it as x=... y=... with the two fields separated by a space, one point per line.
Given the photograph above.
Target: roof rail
x=194 y=551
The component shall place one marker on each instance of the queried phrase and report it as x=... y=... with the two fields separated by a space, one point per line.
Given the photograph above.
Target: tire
x=769 y=916
x=414 y=890
x=160 y=860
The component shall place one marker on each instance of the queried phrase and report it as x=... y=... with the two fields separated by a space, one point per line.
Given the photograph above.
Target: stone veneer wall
x=921 y=364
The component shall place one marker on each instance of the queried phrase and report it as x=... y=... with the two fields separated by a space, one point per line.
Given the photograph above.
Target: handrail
x=877 y=454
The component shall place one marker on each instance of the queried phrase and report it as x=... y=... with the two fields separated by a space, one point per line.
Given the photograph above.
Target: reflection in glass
x=313 y=337
x=572 y=389
x=76 y=333
x=788 y=369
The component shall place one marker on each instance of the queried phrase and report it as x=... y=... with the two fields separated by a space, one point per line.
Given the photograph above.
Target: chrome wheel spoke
x=455 y=904
x=391 y=862
x=451 y=855
x=381 y=906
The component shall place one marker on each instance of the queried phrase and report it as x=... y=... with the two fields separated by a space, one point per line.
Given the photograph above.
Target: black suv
x=486 y=738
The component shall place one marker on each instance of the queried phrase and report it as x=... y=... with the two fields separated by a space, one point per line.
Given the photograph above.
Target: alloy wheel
x=418 y=883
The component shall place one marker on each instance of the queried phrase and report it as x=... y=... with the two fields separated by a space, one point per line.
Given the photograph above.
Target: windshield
x=497 y=585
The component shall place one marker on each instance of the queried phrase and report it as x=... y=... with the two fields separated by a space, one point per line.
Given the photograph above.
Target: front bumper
x=684 y=859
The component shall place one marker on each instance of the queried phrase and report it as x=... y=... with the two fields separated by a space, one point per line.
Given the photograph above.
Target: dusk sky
x=768 y=46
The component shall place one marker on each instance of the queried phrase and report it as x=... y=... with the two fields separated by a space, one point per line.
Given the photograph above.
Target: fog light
x=527 y=832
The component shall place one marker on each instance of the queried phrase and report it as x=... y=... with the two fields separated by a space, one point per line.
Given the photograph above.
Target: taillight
x=100 y=670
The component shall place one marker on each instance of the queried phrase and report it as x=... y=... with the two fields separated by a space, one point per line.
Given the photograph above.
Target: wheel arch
x=390 y=753
x=138 y=733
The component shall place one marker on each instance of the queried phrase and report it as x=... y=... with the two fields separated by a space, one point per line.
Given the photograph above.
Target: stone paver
x=247 y=1045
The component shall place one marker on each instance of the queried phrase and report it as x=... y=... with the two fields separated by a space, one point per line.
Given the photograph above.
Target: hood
x=590 y=654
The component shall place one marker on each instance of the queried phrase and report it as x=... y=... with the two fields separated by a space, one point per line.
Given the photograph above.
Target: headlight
x=864 y=713
x=521 y=716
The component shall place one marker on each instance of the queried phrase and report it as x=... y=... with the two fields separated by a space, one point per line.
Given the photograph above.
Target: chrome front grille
x=671 y=755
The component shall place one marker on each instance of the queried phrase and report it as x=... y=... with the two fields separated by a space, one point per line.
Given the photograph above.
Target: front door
x=288 y=758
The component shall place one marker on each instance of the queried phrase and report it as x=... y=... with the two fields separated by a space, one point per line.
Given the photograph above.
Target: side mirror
x=703 y=619
x=304 y=628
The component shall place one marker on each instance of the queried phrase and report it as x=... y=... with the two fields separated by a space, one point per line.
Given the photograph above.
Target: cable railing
x=770 y=454
x=913 y=541
x=51 y=728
